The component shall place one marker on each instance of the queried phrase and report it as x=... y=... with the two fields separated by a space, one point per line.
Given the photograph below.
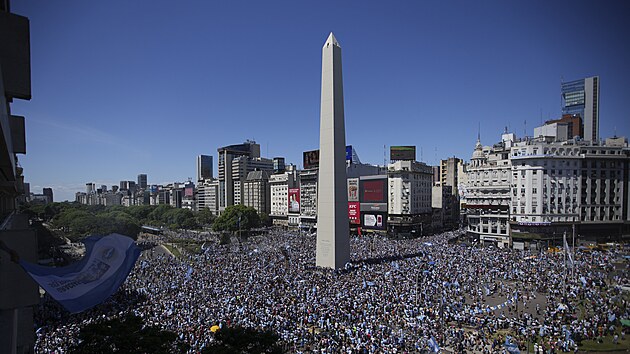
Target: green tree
x=179 y=218
x=141 y=212
x=233 y=340
x=205 y=217
x=157 y=214
x=229 y=219
x=128 y=335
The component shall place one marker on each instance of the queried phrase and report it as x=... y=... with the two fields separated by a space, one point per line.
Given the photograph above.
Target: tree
x=205 y=217
x=128 y=335
x=243 y=340
x=229 y=219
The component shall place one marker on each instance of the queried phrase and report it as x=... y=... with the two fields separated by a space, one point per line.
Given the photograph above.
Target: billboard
x=373 y=190
x=374 y=221
x=402 y=153
x=189 y=191
x=311 y=159
x=353 y=189
x=294 y=200
x=354 y=213
x=382 y=207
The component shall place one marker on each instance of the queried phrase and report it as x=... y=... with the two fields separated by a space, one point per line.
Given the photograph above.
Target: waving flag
x=85 y=284
x=434 y=345
x=510 y=346
x=567 y=250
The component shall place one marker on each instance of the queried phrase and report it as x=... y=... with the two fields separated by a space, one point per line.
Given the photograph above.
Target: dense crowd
x=395 y=296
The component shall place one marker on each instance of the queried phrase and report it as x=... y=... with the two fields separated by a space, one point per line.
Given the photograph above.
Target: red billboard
x=354 y=213
x=294 y=200
x=374 y=190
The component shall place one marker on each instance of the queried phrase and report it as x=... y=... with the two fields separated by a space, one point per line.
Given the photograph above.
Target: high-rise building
x=48 y=192
x=278 y=165
x=204 y=167
x=241 y=167
x=142 y=181
x=208 y=195
x=333 y=243
x=581 y=97
x=257 y=192
x=225 y=176
x=448 y=173
x=409 y=193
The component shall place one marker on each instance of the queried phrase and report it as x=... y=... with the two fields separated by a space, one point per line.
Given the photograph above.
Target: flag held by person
x=87 y=283
x=434 y=345
x=510 y=346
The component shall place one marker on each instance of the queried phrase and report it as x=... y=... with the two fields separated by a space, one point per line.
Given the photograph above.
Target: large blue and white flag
x=433 y=345
x=510 y=346
x=84 y=284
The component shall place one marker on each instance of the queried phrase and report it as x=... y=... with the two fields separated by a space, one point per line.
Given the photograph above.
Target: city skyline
x=123 y=90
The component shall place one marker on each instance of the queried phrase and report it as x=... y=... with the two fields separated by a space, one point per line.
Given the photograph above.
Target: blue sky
x=128 y=87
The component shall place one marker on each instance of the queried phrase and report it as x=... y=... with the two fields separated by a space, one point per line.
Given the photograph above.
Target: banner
x=85 y=284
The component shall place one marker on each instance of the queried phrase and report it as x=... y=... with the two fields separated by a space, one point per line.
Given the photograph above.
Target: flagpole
x=564 y=288
x=573 y=265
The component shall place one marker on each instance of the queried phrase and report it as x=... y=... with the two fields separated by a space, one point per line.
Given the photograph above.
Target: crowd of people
x=394 y=296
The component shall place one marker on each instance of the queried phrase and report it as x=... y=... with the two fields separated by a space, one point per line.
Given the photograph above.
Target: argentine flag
x=433 y=345
x=510 y=346
x=85 y=284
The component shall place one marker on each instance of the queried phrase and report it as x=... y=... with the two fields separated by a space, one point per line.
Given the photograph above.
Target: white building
x=208 y=195
x=279 y=185
x=558 y=185
x=488 y=193
x=409 y=191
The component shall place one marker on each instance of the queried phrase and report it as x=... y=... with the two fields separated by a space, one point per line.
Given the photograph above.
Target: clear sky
x=128 y=87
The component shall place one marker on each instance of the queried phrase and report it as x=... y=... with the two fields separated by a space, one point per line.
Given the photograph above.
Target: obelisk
x=333 y=242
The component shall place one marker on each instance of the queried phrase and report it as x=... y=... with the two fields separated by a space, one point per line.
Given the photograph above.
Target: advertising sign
x=353 y=189
x=382 y=207
x=311 y=159
x=397 y=153
x=294 y=200
x=354 y=214
x=374 y=221
x=373 y=190
x=189 y=191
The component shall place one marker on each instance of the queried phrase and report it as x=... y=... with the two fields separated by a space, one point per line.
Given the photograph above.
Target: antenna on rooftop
x=479 y=131
x=384 y=155
x=525 y=128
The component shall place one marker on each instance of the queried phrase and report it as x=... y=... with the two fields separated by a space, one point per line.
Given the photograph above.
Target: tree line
x=76 y=220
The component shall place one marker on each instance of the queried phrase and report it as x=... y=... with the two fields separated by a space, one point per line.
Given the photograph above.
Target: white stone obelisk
x=333 y=240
